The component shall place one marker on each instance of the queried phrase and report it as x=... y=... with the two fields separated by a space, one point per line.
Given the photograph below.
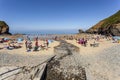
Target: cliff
x=108 y=26
x=4 y=28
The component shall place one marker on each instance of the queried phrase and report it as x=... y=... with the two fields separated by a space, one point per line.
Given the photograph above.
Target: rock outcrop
x=4 y=28
x=81 y=31
x=113 y=30
x=108 y=26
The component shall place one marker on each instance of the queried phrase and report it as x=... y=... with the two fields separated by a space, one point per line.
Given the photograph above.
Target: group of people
x=29 y=45
x=82 y=41
x=13 y=45
x=10 y=44
x=94 y=38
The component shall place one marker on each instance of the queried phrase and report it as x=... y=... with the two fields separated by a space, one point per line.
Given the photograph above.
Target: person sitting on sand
x=10 y=46
x=16 y=45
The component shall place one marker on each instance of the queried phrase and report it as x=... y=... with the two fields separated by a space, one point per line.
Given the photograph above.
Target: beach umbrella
x=116 y=37
x=50 y=41
x=6 y=39
x=19 y=39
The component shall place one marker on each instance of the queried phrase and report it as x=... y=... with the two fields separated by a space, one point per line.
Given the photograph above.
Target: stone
x=4 y=28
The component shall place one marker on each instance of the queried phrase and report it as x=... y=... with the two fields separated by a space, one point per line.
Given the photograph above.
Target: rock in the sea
x=4 y=28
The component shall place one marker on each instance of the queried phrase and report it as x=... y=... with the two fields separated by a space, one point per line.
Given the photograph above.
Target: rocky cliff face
x=108 y=26
x=4 y=28
x=113 y=29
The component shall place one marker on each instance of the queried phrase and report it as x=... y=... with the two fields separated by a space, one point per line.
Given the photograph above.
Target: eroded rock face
x=116 y=30
x=4 y=28
x=65 y=66
x=110 y=30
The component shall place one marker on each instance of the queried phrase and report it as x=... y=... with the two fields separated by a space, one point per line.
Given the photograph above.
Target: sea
x=44 y=32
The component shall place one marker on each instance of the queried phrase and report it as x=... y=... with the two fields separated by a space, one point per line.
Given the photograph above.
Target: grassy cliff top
x=2 y=23
x=114 y=19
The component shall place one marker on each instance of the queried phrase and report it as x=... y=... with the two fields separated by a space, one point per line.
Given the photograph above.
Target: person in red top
x=36 y=43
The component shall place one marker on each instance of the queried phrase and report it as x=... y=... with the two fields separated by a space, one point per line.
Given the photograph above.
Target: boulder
x=81 y=31
x=4 y=28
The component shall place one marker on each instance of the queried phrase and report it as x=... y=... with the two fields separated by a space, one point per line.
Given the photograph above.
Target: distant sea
x=45 y=32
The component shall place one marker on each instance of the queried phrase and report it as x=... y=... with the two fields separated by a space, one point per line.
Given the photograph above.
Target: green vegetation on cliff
x=2 y=23
x=4 y=28
x=107 y=26
x=114 y=19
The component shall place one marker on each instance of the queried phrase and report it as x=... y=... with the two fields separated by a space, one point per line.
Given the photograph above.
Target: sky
x=55 y=14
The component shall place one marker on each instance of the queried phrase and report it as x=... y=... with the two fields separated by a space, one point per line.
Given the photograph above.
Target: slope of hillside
x=108 y=26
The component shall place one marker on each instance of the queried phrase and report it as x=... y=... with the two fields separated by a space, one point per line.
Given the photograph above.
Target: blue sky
x=55 y=14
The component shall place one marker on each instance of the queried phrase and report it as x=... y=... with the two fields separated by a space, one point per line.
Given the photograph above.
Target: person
x=46 y=43
x=10 y=46
x=29 y=45
x=56 y=38
x=85 y=42
x=36 y=38
x=36 y=43
x=36 y=46
x=26 y=44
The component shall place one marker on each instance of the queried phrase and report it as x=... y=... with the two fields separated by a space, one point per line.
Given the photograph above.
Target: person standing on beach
x=26 y=44
x=36 y=43
x=46 y=43
x=29 y=45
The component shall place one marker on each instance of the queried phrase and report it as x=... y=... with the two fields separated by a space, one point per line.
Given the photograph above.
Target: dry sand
x=101 y=63
x=20 y=57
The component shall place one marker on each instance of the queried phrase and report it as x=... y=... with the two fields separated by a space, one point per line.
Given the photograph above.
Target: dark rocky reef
x=108 y=26
x=4 y=28
x=64 y=66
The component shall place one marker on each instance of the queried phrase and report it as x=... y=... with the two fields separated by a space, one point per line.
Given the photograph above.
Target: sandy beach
x=20 y=57
x=100 y=63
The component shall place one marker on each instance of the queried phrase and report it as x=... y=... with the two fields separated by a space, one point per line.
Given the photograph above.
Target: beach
x=20 y=57
x=100 y=63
